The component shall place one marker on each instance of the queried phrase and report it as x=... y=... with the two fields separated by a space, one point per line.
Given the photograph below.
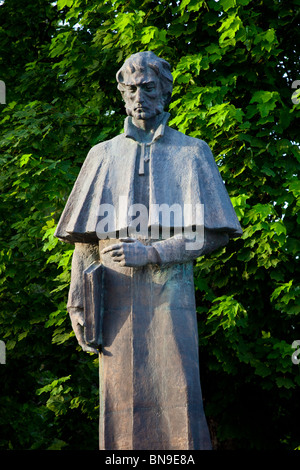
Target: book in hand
x=93 y=304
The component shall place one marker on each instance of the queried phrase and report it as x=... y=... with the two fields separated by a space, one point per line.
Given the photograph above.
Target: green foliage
x=234 y=63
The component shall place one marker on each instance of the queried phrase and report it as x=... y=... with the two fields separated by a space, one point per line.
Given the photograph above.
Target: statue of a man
x=150 y=393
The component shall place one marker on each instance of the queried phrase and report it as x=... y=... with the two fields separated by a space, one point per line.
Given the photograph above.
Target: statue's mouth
x=140 y=108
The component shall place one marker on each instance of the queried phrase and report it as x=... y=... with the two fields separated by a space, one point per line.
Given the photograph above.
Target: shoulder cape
x=182 y=171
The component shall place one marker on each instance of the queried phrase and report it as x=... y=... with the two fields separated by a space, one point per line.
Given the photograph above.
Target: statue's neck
x=147 y=127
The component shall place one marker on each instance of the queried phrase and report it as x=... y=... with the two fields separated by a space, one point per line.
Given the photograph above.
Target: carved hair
x=145 y=59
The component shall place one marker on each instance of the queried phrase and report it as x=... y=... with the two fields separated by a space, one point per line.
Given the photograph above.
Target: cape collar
x=132 y=132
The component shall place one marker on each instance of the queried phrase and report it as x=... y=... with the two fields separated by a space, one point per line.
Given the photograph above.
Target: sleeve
x=180 y=250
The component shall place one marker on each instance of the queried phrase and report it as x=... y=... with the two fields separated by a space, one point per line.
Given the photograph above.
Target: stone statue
x=131 y=296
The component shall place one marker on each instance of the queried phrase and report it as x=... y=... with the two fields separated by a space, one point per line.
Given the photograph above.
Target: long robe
x=150 y=393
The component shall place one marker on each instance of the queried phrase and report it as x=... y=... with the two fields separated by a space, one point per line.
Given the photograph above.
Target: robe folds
x=182 y=171
x=150 y=392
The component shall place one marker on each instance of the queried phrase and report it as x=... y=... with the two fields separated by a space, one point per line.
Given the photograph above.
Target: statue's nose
x=139 y=95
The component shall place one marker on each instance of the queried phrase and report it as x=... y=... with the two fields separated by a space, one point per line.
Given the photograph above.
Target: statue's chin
x=142 y=116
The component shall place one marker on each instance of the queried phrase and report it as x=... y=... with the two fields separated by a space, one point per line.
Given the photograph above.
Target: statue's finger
x=118 y=259
x=117 y=253
x=109 y=248
x=128 y=240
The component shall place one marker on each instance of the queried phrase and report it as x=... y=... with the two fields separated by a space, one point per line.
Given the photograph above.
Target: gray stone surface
x=138 y=306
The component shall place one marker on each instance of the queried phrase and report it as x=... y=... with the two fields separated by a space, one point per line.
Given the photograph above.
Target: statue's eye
x=132 y=88
x=150 y=87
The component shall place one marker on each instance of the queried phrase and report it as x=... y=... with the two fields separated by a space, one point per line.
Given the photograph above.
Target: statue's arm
x=131 y=252
x=83 y=256
x=175 y=250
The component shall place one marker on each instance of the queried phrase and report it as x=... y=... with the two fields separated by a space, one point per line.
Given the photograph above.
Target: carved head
x=145 y=82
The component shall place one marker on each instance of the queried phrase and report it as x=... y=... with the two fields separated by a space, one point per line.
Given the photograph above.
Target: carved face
x=143 y=95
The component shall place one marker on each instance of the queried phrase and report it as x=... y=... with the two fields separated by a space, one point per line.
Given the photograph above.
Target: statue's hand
x=76 y=315
x=131 y=252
